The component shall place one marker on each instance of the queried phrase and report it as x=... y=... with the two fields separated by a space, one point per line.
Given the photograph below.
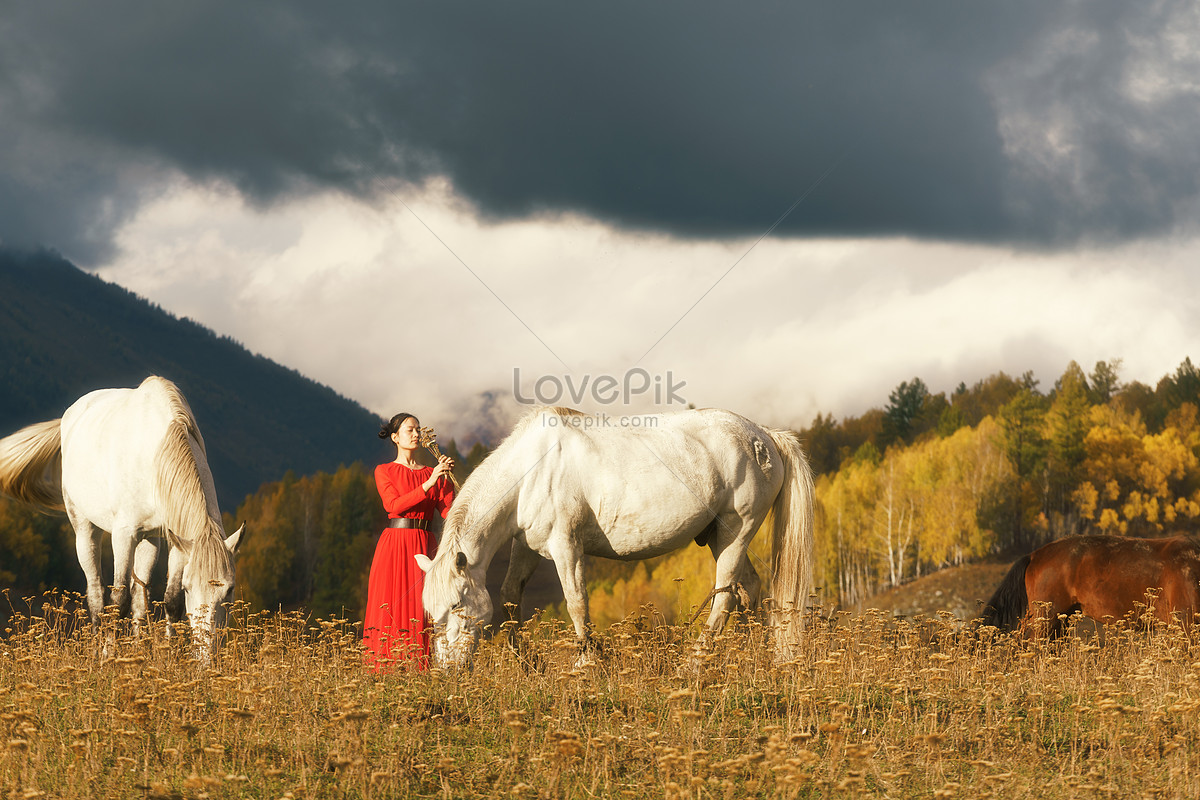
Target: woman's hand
x=444 y=465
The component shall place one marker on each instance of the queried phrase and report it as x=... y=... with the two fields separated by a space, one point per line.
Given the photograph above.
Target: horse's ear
x=235 y=539
x=423 y=562
x=460 y=562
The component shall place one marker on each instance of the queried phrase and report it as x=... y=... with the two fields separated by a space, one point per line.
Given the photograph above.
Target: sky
x=459 y=208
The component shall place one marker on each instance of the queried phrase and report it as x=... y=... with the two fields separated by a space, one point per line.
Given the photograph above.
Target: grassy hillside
x=64 y=332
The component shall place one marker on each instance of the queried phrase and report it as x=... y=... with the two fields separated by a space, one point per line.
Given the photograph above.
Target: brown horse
x=1103 y=577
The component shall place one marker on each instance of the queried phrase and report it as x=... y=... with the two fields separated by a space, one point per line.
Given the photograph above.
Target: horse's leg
x=87 y=548
x=173 y=599
x=143 y=562
x=1043 y=617
x=749 y=589
x=521 y=563
x=568 y=560
x=730 y=554
x=1039 y=620
x=1044 y=578
x=124 y=540
x=1189 y=603
x=743 y=596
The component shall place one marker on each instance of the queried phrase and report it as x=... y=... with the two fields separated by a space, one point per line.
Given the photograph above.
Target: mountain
x=64 y=332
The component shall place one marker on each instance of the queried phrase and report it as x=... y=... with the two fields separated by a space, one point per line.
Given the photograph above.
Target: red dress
x=394 y=624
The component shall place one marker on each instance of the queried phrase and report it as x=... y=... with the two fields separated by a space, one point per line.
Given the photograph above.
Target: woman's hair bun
x=393 y=425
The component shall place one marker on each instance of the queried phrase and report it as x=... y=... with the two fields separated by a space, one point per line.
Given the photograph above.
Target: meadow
x=869 y=707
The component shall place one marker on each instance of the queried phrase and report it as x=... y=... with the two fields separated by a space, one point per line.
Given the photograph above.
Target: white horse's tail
x=31 y=465
x=791 y=544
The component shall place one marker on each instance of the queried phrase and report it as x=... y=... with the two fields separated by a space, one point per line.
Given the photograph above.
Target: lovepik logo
x=605 y=389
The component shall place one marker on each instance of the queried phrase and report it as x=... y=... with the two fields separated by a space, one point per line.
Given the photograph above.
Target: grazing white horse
x=563 y=485
x=132 y=462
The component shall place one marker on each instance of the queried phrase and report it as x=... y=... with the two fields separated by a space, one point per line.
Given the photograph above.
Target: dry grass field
x=869 y=708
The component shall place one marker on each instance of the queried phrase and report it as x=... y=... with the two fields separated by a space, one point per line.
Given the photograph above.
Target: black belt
x=403 y=522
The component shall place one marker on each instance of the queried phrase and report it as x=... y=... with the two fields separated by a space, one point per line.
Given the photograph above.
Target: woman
x=394 y=627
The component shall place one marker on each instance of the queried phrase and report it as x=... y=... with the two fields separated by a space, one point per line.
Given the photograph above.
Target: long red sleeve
x=445 y=489
x=402 y=492
x=398 y=498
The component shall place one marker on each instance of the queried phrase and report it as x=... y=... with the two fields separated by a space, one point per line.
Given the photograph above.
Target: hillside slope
x=961 y=591
x=64 y=332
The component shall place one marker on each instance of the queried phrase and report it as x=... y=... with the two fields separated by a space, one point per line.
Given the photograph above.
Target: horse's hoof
x=589 y=654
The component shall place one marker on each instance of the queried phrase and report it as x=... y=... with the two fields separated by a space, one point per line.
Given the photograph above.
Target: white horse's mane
x=457 y=521
x=181 y=488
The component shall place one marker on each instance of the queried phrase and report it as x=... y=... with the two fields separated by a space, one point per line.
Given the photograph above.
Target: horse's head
x=208 y=587
x=457 y=600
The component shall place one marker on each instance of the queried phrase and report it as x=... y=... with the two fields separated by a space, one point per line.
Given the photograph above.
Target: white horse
x=564 y=484
x=132 y=462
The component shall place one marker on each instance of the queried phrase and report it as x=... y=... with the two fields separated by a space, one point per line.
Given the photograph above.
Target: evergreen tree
x=460 y=466
x=1136 y=398
x=985 y=398
x=1021 y=422
x=475 y=456
x=1175 y=390
x=821 y=444
x=905 y=405
x=1105 y=381
x=350 y=526
x=1067 y=424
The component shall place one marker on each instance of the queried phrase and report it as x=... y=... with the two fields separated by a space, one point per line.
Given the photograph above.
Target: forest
x=925 y=482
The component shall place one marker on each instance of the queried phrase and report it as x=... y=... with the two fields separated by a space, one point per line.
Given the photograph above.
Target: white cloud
x=366 y=299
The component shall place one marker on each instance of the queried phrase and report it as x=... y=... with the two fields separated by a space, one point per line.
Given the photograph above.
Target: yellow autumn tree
x=951 y=479
x=845 y=564
x=883 y=522
x=1136 y=482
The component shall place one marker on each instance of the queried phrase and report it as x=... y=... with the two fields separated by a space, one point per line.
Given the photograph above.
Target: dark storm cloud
x=988 y=122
